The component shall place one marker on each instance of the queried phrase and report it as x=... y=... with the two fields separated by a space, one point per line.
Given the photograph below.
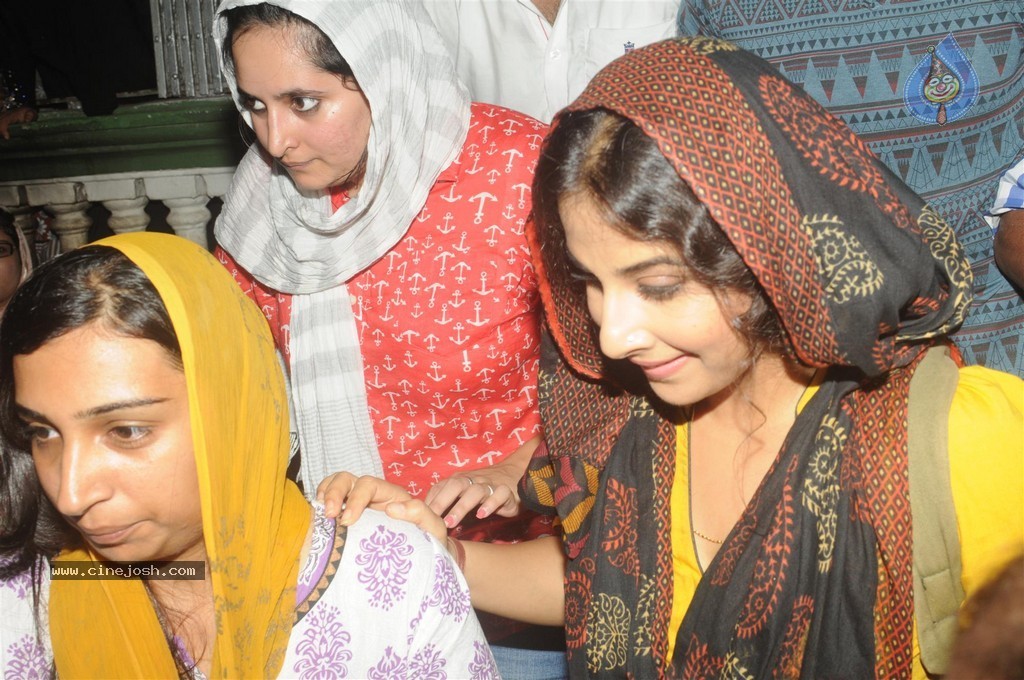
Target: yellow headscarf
x=254 y=519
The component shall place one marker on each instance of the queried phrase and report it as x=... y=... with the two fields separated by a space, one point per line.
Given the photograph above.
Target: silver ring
x=470 y=480
x=491 y=489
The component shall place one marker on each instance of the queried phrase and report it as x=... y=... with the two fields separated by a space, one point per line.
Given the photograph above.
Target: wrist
x=458 y=552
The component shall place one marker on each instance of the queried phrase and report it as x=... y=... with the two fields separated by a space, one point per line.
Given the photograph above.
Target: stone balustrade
x=185 y=193
x=179 y=152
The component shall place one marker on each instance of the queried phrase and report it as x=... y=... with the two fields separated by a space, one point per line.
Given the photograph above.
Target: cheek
x=10 y=271
x=48 y=472
x=595 y=304
x=181 y=467
x=343 y=130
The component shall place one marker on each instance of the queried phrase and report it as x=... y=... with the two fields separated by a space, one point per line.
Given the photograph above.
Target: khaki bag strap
x=938 y=591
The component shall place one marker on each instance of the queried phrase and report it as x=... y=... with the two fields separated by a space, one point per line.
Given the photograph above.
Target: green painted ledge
x=151 y=136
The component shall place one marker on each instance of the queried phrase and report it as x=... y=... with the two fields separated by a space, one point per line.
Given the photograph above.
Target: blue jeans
x=530 y=664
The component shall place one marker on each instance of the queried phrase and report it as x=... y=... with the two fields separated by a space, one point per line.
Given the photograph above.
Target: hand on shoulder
x=346 y=496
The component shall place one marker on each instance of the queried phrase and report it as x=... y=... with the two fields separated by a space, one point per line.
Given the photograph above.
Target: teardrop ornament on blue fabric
x=943 y=85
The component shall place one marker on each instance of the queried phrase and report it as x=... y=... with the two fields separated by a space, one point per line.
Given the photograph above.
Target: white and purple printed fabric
x=383 y=600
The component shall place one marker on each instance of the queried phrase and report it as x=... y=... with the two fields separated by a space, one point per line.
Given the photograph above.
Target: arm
x=520 y=581
x=494 y=488
x=22 y=114
x=1009 y=246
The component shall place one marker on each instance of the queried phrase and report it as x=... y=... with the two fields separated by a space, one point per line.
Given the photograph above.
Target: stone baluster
x=127 y=214
x=185 y=197
x=188 y=217
x=125 y=198
x=71 y=222
x=68 y=202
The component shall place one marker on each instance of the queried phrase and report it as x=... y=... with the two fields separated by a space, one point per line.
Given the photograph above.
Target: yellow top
x=986 y=461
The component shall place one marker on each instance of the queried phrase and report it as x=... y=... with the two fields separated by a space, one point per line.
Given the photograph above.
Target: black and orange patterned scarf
x=815 y=579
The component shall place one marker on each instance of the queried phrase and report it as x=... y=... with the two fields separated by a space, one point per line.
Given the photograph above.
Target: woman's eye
x=660 y=291
x=40 y=434
x=252 y=104
x=129 y=434
x=305 y=104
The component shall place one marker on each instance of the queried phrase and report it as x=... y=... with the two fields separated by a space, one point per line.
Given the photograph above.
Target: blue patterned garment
x=936 y=89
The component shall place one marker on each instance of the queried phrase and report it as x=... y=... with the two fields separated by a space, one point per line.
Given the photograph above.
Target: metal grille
x=186 y=57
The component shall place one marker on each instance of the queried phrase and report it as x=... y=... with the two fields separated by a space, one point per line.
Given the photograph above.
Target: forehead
x=263 y=44
x=91 y=358
x=588 y=226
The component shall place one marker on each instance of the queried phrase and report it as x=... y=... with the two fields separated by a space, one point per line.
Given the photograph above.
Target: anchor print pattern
x=449 y=317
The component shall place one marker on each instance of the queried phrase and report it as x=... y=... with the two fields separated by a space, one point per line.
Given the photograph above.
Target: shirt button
x=555 y=54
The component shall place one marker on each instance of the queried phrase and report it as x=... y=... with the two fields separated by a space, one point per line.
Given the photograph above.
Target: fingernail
x=449 y=521
x=481 y=513
x=344 y=518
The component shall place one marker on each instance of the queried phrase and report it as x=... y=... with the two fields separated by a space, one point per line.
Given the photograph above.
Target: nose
x=278 y=137
x=623 y=326
x=84 y=480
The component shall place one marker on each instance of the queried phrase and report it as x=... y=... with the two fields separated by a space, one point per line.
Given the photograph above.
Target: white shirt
x=507 y=53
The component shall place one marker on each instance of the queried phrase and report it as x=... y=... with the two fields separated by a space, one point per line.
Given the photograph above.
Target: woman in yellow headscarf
x=144 y=400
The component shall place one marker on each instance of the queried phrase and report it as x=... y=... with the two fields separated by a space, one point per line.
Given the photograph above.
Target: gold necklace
x=706 y=537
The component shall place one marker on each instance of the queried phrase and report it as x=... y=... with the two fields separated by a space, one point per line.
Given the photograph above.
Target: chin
x=306 y=185
x=685 y=392
x=674 y=395
x=121 y=553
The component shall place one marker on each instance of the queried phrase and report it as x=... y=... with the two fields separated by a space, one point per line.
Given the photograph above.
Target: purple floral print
x=323 y=651
x=385 y=564
x=26 y=660
x=448 y=595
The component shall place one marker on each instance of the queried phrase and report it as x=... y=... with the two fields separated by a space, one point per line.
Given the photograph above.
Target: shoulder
x=986 y=429
x=375 y=532
x=505 y=128
x=986 y=460
x=24 y=645
x=397 y=564
x=991 y=396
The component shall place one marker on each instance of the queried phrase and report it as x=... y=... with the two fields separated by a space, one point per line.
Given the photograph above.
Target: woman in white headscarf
x=379 y=222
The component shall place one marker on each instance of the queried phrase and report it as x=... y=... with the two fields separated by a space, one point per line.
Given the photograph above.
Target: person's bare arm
x=1009 y=246
x=22 y=114
x=520 y=581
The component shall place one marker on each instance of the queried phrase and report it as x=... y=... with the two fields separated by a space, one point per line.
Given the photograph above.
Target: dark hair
x=7 y=226
x=992 y=643
x=319 y=49
x=95 y=284
x=606 y=159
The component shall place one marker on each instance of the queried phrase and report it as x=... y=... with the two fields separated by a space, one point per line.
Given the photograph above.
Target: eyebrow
x=28 y=413
x=289 y=94
x=632 y=269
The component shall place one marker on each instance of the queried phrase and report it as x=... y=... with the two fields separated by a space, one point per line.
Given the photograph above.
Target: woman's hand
x=349 y=495
x=22 y=114
x=491 y=490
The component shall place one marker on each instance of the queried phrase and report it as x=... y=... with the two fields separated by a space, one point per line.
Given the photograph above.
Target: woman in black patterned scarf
x=749 y=318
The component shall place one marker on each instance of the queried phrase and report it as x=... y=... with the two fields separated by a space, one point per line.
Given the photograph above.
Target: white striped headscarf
x=291 y=242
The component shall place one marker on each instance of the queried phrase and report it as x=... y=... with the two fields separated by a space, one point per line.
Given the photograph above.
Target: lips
x=661 y=370
x=107 y=535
